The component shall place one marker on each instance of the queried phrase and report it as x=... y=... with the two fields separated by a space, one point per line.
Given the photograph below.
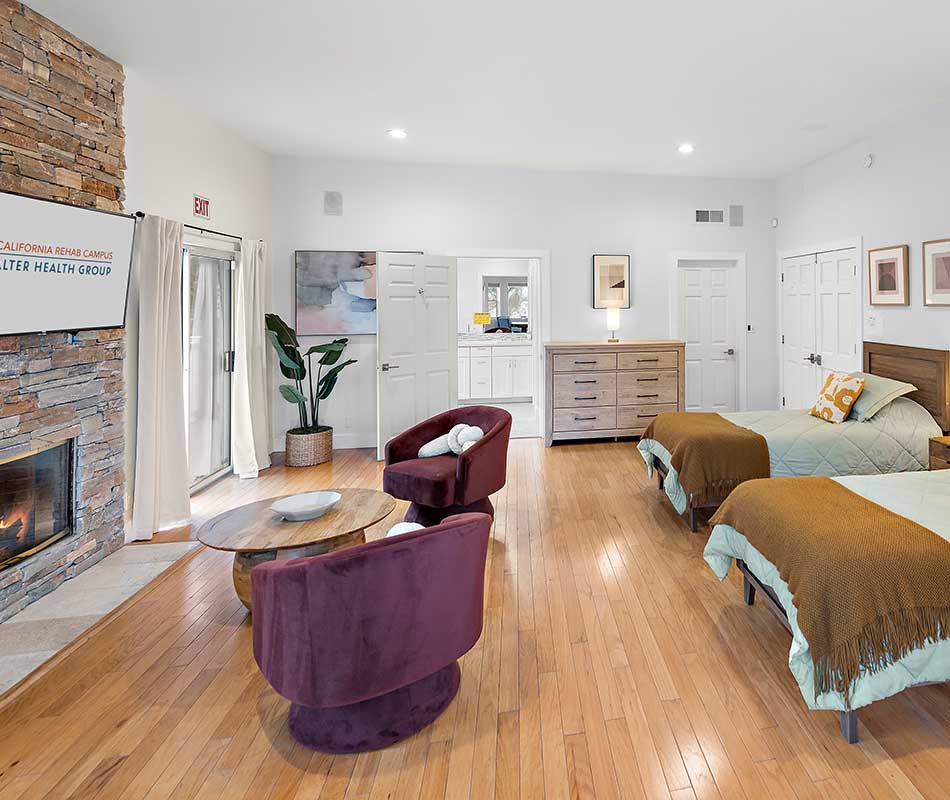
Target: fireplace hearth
x=35 y=501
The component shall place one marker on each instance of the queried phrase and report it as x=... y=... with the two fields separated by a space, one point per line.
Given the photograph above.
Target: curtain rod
x=141 y=214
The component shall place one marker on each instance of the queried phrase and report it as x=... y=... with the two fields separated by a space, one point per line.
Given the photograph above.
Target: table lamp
x=613 y=322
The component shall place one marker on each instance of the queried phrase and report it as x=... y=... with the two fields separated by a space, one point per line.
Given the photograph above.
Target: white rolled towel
x=404 y=527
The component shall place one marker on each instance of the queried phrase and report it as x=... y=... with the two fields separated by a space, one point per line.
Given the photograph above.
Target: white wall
x=901 y=199
x=175 y=151
x=572 y=215
x=470 y=274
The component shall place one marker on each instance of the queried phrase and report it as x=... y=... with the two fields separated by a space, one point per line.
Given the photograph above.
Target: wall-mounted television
x=62 y=268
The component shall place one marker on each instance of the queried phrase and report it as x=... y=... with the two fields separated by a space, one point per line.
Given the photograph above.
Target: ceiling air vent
x=707 y=215
x=736 y=214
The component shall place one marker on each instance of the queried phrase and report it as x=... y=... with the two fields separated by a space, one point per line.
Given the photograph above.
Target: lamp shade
x=613 y=319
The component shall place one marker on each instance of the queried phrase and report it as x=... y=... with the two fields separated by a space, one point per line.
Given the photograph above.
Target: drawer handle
x=647 y=360
x=590 y=381
x=591 y=397
x=583 y=419
x=585 y=362
x=647 y=380
x=646 y=416
x=647 y=395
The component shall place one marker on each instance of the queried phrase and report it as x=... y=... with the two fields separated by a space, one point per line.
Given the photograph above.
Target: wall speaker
x=736 y=214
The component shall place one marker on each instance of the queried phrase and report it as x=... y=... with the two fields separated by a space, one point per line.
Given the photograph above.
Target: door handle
x=730 y=352
x=387 y=367
x=810 y=358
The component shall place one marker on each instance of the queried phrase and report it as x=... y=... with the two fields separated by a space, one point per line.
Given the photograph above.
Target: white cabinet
x=465 y=377
x=500 y=376
x=481 y=377
x=495 y=373
x=522 y=376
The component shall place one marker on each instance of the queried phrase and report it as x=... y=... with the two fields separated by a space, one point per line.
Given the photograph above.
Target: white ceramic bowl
x=309 y=505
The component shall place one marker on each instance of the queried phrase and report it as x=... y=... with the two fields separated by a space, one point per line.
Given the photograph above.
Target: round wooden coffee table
x=255 y=534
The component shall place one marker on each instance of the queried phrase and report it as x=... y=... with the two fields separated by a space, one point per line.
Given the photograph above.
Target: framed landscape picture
x=335 y=292
x=936 y=255
x=888 y=273
x=611 y=279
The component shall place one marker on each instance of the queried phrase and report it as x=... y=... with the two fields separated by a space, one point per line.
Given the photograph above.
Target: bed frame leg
x=748 y=591
x=692 y=519
x=848 y=720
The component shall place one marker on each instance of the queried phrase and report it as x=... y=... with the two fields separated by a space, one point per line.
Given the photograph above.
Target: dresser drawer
x=585 y=362
x=647 y=388
x=585 y=419
x=638 y=417
x=660 y=359
x=479 y=352
x=572 y=396
x=939 y=463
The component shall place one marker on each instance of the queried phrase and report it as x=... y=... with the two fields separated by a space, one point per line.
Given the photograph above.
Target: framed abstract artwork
x=335 y=292
x=888 y=276
x=611 y=281
x=936 y=254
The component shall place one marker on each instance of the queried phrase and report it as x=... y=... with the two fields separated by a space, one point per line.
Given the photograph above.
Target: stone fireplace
x=61 y=138
x=35 y=501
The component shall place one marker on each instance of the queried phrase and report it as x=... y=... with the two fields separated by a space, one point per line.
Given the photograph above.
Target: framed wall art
x=611 y=281
x=888 y=276
x=335 y=292
x=936 y=255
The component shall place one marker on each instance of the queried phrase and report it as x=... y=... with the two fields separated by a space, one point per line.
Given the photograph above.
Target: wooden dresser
x=598 y=389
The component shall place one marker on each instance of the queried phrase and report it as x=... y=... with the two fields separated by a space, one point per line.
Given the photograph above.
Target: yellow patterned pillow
x=837 y=396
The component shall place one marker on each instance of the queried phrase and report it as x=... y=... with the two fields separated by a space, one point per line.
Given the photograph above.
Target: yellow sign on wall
x=482 y=318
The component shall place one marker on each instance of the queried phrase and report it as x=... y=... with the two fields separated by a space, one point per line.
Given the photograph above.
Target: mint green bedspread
x=923 y=497
x=896 y=439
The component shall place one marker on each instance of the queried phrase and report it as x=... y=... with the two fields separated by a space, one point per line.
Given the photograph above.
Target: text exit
x=202 y=207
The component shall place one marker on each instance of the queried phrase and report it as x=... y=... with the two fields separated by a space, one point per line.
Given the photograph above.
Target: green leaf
x=285 y=334
x=329 y=379
x=291 y=395
x=291 y=362
x=329 y=347
x=326 y=387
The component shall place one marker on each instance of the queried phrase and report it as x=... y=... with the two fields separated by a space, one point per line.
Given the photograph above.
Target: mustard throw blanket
x=710 y=454
x=870 y=585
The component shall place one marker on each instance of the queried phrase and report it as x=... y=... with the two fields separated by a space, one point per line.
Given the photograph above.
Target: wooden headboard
x=928 y=370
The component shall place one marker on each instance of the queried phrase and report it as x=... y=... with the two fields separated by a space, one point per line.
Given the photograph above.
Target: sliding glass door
x=208 y=359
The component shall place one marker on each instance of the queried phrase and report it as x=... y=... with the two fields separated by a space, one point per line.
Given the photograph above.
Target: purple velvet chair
x=444 y=485
x=363 y=641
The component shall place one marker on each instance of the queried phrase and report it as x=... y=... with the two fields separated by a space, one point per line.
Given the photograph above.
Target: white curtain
x=250 y=390
x=160 y=488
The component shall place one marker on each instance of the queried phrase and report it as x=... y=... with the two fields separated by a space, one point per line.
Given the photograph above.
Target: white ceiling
x=759 y=86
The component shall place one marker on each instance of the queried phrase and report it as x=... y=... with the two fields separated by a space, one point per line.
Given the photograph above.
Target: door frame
x=226 y=249
x=741 y=309
x=539 y=304
x=857 y=244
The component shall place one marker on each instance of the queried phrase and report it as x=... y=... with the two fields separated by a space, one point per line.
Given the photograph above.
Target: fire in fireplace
x=35 y=501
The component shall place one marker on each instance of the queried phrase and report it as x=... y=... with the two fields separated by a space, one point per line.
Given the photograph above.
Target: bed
x=923 y=498
x=894 y=440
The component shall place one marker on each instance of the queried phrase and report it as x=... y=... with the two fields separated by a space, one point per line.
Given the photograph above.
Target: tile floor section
x=42 y=629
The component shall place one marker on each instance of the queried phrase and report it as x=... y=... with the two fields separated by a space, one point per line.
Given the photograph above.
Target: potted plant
x=310 y=443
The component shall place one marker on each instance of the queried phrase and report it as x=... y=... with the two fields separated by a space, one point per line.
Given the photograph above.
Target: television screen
x=62 y=268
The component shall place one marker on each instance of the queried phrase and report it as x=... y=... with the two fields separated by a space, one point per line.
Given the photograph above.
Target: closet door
x=800 y=373
x=837 y=339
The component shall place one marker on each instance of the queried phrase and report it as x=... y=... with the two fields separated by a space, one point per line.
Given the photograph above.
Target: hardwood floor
x=612 y=665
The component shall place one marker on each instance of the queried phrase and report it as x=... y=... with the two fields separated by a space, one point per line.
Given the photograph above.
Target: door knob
x=730 y=352
x=387 y=367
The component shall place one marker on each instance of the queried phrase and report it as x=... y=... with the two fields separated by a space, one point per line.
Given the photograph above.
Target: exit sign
x=202 y=207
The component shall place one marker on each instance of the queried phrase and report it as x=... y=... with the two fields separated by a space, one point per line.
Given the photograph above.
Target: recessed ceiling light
x=686 y=148
x=397 y=133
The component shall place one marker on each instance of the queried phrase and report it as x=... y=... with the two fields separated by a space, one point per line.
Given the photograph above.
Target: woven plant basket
x=310 y=448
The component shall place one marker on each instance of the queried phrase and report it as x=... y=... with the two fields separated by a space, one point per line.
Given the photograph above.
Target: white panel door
x=836 y=340
x=800 y=375
x=522 y=376
x=501 y=377
x=465 y=376
x=417 y=315
x=707 y=323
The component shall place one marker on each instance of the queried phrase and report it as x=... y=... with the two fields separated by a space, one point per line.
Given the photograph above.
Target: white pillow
x=404 y=527
x=437 y=447
x=461 y=435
